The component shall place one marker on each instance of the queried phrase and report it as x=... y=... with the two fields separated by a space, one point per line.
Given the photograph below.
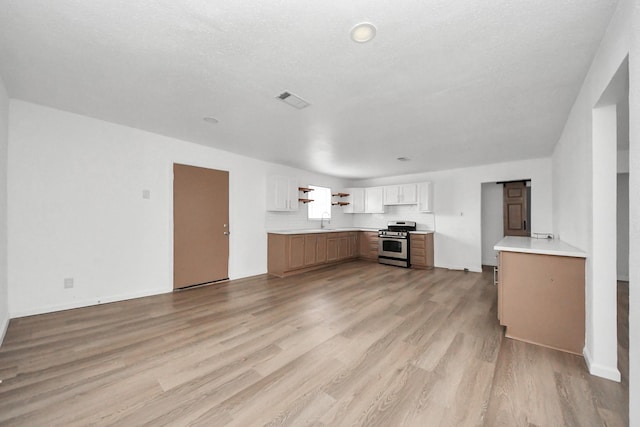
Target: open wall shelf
x=338 y=202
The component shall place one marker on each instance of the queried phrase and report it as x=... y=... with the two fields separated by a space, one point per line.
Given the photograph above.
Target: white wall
x=573 y=179
x=457 y=206
x=4 y=138
x=634 y=214
x=76 y=209
x=601 y=264
x=622 y=225
x=623 y=161
x=492 y=221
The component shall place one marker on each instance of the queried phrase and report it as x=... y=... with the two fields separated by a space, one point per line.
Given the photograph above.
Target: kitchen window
x=321 y=206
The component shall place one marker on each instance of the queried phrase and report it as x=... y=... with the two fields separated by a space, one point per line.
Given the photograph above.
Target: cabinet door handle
x=226 y=233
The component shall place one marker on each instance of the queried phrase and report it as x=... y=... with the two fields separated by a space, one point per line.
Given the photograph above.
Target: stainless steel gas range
x=393 y=243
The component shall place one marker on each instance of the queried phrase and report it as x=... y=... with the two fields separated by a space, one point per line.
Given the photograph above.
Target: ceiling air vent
x=293 y=100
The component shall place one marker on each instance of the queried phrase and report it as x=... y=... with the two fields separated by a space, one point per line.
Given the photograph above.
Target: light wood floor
x=358 y=344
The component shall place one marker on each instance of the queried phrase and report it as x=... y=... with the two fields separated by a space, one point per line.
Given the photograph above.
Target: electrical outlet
x=68 y=283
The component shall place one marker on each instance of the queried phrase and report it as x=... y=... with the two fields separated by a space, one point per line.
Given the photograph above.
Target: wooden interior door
x=515 y=209
x=200 y=225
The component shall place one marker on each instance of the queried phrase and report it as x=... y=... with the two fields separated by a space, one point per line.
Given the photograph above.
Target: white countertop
x=320 y=230
x=335 y=230
x=538 y=246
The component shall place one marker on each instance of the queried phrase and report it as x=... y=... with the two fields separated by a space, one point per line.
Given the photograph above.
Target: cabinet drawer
x=418 y=252
x=418 y=261
x=418 y=242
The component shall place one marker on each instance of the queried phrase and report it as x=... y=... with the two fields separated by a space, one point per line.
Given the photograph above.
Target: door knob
x=226 y=233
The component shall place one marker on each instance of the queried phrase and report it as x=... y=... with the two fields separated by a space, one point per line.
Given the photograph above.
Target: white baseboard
x=97 y=301
x=3 y=329
x=87 y=303
x=601 y=371
x=457 y=267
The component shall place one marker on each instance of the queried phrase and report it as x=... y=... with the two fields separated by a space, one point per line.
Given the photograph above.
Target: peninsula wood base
x=541 y=299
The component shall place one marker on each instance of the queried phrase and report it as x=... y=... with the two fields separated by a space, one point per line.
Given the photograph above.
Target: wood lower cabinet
x=310 y=249
x=541 y=299
x=315 y=249
x=421 y=250
x=343 y=247
x=353 y=245
x=296 y=257
x=368 y=247
x=295 y=253
x=332 y=249
x=321 y=248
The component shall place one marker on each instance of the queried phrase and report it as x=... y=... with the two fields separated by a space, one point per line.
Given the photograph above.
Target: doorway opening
x=610 y=228
x=495 y=216
x=491 y=221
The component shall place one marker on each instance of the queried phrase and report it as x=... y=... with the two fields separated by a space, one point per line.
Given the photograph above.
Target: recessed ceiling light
x=363 y=32
x=211 y=120
x=403 y=159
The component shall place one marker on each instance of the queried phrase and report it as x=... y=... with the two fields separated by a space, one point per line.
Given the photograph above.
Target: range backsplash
x=298 y=220
x=424 y=221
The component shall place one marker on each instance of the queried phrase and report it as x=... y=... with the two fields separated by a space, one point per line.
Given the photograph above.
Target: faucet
x=322 y=219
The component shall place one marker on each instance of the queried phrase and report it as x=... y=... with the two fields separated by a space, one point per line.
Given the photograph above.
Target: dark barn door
x=515 y=209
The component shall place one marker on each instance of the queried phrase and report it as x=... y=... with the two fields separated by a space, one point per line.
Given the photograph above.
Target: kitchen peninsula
x=541 y=292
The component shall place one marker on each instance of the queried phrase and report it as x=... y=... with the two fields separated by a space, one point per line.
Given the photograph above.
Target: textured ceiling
x=445 y=83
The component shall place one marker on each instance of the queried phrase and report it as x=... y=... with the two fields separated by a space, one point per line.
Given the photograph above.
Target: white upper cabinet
x=391 y=194
x=282 y=193
x=405 y=194
x=356 y=200
x=374 y=200
x=365 y=200
x=425 y=197
x=409 y=193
